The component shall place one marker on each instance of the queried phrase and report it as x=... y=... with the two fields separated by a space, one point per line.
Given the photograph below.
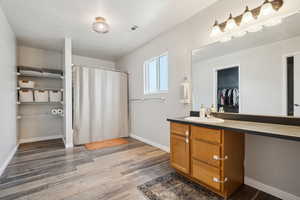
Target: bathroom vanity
x=212 y=154
x=255 y=81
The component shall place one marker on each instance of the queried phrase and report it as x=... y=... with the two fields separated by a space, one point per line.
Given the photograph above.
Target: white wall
x=68 y=133
x=92 y=62
x=149 y=118
x=28 y=56
x=34 y=57
x=8 y=141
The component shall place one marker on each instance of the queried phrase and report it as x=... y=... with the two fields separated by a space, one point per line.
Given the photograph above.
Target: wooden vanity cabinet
x=214 y=158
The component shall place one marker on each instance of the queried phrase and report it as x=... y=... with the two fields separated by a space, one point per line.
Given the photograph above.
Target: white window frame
x=146 y=76
x=215 y=84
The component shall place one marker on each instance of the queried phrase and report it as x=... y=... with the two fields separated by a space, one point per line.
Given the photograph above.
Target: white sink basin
x=204 y=120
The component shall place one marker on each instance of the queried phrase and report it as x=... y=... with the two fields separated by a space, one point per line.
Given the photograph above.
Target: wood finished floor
x=47 y=171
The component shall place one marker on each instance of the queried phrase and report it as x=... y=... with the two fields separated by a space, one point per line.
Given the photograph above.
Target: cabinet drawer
x=206 y=152
x=206 y=174
x=180 y=129
x=206 y=134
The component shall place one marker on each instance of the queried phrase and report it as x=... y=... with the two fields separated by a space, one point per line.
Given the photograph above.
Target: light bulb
x=216 y=30
x=273 y=22
x=267 y=9
x=225 y=39
x=239 y=34
x=230 y=24
x=247 y=16
x=255 y=28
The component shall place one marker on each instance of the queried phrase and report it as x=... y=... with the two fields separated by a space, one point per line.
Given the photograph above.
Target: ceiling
x=289 y=28
x=45 y=23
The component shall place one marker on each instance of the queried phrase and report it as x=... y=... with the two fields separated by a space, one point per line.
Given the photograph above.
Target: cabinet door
x=180 y=153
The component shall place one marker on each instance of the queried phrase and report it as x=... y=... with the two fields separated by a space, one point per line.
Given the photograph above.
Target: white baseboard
x=69 y=140
x=64 y=140
x=162 y=147
x=270 y=190
x=67 y=145
x=8 y=159
x=36 y=139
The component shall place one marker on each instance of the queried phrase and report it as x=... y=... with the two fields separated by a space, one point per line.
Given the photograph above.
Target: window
x=156 y=75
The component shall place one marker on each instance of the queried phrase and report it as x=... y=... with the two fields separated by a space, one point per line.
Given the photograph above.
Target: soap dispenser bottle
x=202 y=111
x=213 y=108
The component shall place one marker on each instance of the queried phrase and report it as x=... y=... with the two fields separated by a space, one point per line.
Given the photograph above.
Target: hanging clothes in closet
x=228 y=98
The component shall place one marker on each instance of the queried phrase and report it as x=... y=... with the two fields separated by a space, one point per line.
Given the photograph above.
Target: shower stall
x=100 y=104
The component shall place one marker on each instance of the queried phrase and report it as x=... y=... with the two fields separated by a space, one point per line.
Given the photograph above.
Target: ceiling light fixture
x=249 y=21
x=100 y=25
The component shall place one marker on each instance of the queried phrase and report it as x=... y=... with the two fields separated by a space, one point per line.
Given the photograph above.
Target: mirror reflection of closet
x=290 y=85
x=228 y=89
x=293 y=85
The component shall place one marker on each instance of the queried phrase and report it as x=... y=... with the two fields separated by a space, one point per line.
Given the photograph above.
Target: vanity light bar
x=247 y=17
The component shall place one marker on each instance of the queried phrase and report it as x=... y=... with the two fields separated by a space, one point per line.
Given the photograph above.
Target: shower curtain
x=100 y=109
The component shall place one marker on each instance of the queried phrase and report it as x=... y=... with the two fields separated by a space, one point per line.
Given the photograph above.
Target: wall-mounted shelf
x=55 y=89
x=39 y=76
x=39 y=72
x=38 y=116
x=40 y=103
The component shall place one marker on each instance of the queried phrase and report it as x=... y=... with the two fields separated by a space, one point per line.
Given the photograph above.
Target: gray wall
x=148 y=119
x=8 y=139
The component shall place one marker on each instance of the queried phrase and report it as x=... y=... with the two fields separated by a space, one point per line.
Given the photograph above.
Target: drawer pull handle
x=219 y=181
x=215 y=157
x=186 y=140
x=187 y=133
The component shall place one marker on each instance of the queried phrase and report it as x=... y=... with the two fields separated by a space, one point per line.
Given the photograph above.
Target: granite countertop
x=289 y=132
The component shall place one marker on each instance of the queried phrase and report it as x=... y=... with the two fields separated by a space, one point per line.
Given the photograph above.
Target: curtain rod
x=102 y=68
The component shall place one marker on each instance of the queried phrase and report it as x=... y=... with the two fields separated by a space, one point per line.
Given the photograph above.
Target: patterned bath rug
x=175 y=187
